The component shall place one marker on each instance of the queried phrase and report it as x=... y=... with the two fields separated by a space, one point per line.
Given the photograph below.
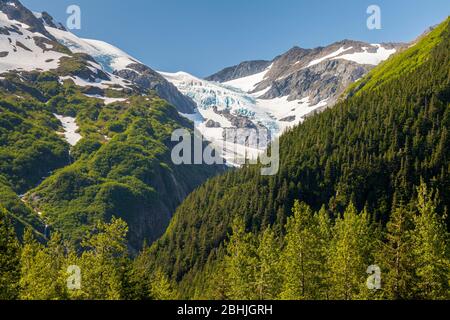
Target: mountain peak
x=14 y=10
x=295 y=48
x=243 y=69
x=48 y=20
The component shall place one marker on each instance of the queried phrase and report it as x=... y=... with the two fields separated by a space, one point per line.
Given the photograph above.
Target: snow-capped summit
x=251 y=82
x=32 y=41
x=123 y=65
x=22 y=46
x=15 y=11
x=26 y=45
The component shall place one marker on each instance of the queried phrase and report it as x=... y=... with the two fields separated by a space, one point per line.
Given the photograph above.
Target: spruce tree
x=431 y=248
x=350 y=255
x=42 y=275
x=218 y=287
x=240 y=262
x=268 y=273
x=161 y=288
x=9 y=259
x=324 y=236
x=104 y=262
x=303 y=256
x=395 y=256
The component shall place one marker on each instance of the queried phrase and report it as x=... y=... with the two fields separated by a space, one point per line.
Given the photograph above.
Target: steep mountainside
x=120 y=63
x=278 y=94
x=318 y=74
x=79 y=144
x=371 y=150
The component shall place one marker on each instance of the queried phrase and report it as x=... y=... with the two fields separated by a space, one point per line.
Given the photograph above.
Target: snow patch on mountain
x=117 y=58
x=289 y=113
x=19 y=51
x=372 y=58
x=106 y=100
x=248 y=84
x=331 y=55
x=70 y=127
x=115 y=82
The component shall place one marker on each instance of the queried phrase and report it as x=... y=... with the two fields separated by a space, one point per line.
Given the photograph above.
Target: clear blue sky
x=204 y=36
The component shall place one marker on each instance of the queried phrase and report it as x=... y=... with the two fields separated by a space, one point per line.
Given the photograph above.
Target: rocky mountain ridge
x=320 y=74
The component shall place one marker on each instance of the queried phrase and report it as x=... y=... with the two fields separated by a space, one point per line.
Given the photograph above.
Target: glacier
x=213 y=99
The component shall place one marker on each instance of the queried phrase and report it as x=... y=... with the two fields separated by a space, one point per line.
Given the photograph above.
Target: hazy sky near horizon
x=203 y=36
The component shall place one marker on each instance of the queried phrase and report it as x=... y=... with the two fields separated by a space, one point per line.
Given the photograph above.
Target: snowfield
x=102 y=84
x=20 y=52
x=366 y=57
x=106 y=100
x=331 y=55
x=70 y=129
x=248 y=84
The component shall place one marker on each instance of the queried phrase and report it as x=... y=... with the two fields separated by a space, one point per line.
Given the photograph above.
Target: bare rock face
x=49 y=21
x=320 y=82
x=212 y=124
x=146 y=78
x=288 y=119
x=244 y=69
x=237 y=121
